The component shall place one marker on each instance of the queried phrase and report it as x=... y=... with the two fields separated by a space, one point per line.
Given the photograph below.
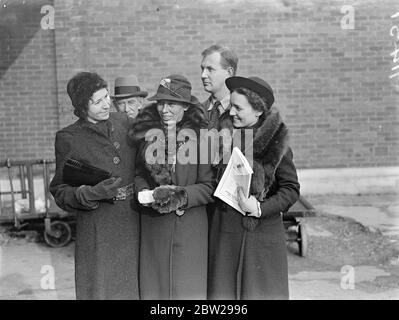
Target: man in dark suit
x=218 y=64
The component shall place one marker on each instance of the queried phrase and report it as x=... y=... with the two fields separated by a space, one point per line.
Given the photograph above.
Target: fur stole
x=270 y=143
x=194 y=118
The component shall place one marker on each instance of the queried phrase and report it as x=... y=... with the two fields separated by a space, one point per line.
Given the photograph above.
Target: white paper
x=238 y=173
x=146 y=196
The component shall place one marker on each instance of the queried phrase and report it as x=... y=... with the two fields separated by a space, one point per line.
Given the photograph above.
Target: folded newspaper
x=238 y=173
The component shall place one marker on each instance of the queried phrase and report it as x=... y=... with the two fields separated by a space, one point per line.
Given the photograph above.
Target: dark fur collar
x=269 y=146
x=270 y=133
x=194 y=118
x=149 y=118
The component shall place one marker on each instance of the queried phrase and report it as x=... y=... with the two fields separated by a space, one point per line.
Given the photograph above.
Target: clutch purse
x=77 y=173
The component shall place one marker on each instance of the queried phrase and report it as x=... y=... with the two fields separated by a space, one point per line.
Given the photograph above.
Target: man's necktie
x=215 y=114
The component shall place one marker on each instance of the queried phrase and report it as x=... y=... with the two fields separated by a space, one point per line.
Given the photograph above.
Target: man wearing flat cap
x=128 y=95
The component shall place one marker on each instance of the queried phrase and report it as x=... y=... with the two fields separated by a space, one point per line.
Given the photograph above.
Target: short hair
x=257 y=102
x=228 y=57
x=80 y=88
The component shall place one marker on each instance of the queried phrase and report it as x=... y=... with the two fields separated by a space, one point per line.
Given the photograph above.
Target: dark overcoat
x=173 y=248
x=106 y=246
x=247 y=256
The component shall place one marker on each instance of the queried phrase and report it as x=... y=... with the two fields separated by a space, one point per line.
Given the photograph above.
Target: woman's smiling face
x=99 y=106
x=171 y=112
x=241 y=111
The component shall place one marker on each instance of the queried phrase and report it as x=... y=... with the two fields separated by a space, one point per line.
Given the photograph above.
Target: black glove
x=90 y=196
x=169 y=198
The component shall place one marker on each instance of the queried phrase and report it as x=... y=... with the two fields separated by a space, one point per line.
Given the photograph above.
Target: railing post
x=32 y=208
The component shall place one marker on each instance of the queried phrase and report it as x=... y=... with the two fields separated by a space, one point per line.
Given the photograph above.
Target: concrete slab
x=334 y=285
x=36 y=271
x=372 y=217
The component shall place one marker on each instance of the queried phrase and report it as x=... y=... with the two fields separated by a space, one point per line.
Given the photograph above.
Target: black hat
x=255 y=84
x=175 y=88
x=126 y=87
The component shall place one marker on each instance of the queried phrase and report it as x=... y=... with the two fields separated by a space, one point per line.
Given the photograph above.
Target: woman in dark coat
x=174 y=228
x=247 y=254
x=106 y=246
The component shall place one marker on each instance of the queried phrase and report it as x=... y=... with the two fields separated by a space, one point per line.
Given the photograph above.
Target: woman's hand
x=169 y=198
x=249 y=205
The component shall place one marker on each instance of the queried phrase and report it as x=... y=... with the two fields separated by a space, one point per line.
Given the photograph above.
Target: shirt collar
x=225 y=102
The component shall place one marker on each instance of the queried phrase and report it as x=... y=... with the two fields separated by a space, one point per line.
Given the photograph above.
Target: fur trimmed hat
x=80 y=89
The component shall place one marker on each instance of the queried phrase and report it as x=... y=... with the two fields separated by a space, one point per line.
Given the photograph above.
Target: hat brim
x=142 y=94
x=241 y=82
x=161 y=96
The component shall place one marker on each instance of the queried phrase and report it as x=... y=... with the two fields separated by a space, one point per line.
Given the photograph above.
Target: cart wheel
x=62 y=237
x=303 y=240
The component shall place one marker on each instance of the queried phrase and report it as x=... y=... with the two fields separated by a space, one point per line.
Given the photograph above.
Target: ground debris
x=350 y=242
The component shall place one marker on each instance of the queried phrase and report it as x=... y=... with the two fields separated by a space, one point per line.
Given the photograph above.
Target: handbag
x=77 y=173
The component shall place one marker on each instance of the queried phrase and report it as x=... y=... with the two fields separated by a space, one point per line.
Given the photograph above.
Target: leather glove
x=249 y=205
x=90 y=196
x=169 y=198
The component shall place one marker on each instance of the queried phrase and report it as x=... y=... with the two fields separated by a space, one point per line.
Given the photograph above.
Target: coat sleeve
x=140 y=181
x=64 y=195
x=287 y=188
x=200 y=194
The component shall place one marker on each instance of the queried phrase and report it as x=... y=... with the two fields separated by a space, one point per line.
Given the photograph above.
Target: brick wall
x=332 y=85
x=28 y=100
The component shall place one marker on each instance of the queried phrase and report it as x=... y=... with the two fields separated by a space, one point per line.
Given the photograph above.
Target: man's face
x=213 y=75
x=131 y=106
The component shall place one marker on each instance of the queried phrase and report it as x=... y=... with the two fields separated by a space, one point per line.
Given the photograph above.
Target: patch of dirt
x=8 y=235
x=348 y=242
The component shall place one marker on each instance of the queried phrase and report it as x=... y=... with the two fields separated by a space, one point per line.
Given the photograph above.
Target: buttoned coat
x=247 y=255
x=106 y=246
x=173 y=248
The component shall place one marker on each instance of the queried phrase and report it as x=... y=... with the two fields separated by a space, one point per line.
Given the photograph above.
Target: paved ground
x=353 y=250
x=346 y=259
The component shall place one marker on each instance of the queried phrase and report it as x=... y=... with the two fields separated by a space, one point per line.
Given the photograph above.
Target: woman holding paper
x=174 y=226
x=247 y=253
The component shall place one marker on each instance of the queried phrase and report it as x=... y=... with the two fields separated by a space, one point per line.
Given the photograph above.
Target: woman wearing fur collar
x=247 y=254
x=174 y=228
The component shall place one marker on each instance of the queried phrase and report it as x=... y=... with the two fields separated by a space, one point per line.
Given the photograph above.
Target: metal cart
x=18 y=179
x=296 y=230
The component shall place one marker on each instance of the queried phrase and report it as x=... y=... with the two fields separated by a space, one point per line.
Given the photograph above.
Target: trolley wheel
x=302 y=240
x=63 y=234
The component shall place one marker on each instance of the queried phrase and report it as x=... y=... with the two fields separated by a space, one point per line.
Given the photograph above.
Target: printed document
x=238 y=173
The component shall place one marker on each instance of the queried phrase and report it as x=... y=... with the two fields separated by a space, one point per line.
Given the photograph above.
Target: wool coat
x=106 y=246
x=173 y=248
x=247 y=255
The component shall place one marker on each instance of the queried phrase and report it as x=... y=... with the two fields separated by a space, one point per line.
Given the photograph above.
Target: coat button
x=117 y=145
x=117 y=160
